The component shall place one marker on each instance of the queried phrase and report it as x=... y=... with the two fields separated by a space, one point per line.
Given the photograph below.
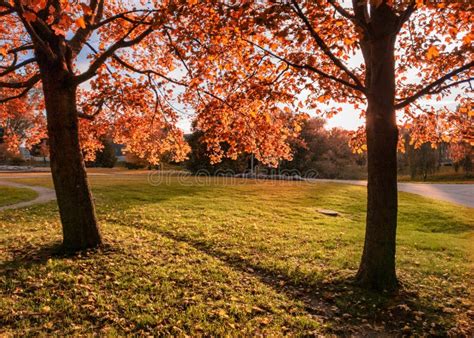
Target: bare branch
x=310 y=68
x=325 y=48
x=405 y=16
x=15 y=66
x=18 y=85
x=122 y=43
x=81 y=36
x=433 y=86
x=22 y=93
x=97 y=112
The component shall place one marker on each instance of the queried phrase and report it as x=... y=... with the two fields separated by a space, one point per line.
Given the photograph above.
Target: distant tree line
x=326 y=152
x=105 y=158
x=428 y=159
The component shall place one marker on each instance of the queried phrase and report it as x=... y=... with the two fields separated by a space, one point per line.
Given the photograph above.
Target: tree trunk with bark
x=76 y=206
x=377 y=267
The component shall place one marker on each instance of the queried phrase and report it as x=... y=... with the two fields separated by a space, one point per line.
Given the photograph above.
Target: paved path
x=44 y=195
x=456 y=193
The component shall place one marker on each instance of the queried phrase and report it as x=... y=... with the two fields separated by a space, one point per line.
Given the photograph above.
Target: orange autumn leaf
x=432 y=52
x=80 y=22
x=40 y=4
x=86 y=9
x=29 y=16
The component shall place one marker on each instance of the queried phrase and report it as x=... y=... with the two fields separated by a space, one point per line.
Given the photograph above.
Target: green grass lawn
x=219 y=258
x=9 y=195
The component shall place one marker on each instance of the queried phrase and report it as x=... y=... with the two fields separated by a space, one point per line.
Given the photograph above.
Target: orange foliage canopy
x=247 y=69
x=306 y=53
x=126 y=57
x=22 y=122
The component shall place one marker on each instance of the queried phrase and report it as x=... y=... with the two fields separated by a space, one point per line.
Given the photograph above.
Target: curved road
x=44 y=195
x=462 y=194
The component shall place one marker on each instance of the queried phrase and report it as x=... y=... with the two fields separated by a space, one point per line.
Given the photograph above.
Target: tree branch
x=14 y=66
x=405 y=16
x=310 y=68
x=123 y=16
x=37 y=41
x=177 y=52
x=97 y=112
x=22 y=93
x=22 y=48
x=343 y=12
x=122 y=43
x=6 y=12
x=427 y=90
x=361 y=12
x=18 y=85
x=149 y=71
x=6 y=5
x=325 y=48
x=453 y=84
x=77 y=41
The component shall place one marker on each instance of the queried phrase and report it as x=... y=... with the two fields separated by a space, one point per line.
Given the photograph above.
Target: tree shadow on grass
x=28 y=256
x=340 y=303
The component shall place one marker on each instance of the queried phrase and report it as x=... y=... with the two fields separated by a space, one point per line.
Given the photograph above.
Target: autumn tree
x=461 y=155
x=103 y=69
x=423 y=161
x=105 y=157
x=41 y=149
x=379 y=56
x=22 y=123
x=199 y=162
x=41 y=44
x=310 y=146
x=325 y=151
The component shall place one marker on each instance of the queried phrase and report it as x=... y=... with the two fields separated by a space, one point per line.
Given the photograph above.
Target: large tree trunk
x=76 y=207
x=377 y=268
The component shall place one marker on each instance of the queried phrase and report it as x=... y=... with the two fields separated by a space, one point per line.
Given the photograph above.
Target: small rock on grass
x=328 y=212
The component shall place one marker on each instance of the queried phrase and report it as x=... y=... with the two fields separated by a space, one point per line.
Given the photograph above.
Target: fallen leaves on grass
x=228 y=260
